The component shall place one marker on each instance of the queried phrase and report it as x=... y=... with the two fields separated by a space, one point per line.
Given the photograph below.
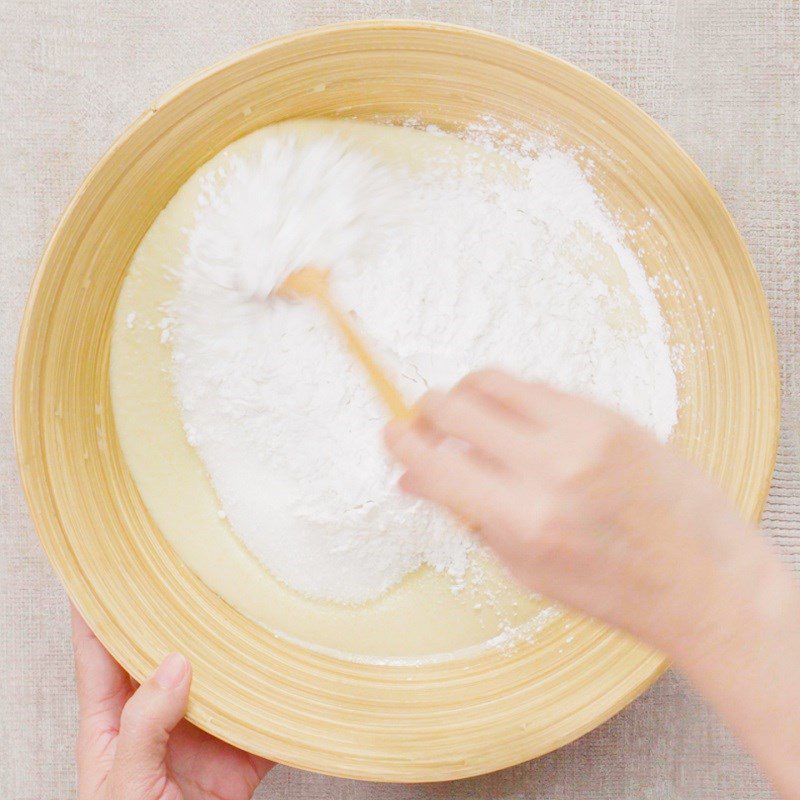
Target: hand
x=135 y=745
x=577 y=501
x=589 y=509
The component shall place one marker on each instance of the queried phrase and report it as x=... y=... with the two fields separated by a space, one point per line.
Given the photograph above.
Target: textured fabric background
x=722 y=76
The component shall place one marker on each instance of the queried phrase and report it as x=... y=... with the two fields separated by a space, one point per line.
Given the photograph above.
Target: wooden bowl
x=393 y=723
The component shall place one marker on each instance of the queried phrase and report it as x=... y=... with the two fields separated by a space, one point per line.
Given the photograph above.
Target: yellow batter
x=420 y=617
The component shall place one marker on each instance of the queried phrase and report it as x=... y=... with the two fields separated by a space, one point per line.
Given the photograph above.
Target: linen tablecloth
x=722 y=76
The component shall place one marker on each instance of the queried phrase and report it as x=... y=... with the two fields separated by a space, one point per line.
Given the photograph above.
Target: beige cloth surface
x=723 y=77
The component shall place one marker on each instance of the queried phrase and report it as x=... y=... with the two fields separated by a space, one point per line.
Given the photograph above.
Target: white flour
x=484 y=269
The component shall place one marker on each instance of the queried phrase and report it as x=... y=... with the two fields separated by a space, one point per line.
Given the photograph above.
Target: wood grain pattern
x=424 y=723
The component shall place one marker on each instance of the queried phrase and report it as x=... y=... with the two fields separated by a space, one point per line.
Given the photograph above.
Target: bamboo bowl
x=438 y=721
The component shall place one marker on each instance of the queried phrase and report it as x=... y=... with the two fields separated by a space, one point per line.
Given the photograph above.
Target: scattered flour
x=445 y=271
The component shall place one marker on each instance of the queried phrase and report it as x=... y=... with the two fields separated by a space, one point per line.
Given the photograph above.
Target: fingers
x=147 y=719
x=534 y=402
x=500 y=418
x=103 y=689
x=453 y=479
x=464 y=415
x=103 y=686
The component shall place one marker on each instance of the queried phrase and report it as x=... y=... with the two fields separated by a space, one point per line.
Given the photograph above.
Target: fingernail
x=171 y=671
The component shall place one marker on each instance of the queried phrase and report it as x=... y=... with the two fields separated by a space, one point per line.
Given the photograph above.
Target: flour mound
x=295 y=204
x=487 y=268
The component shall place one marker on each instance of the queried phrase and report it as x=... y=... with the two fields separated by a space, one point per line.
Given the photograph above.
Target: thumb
x=147 y=719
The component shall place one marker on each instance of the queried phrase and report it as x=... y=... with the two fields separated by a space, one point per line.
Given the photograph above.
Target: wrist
x=746 y=610
x=733 y=595
x=747 y=665
x=726 y=574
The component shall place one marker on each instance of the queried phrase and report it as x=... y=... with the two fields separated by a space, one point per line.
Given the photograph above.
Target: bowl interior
x=436 y=721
